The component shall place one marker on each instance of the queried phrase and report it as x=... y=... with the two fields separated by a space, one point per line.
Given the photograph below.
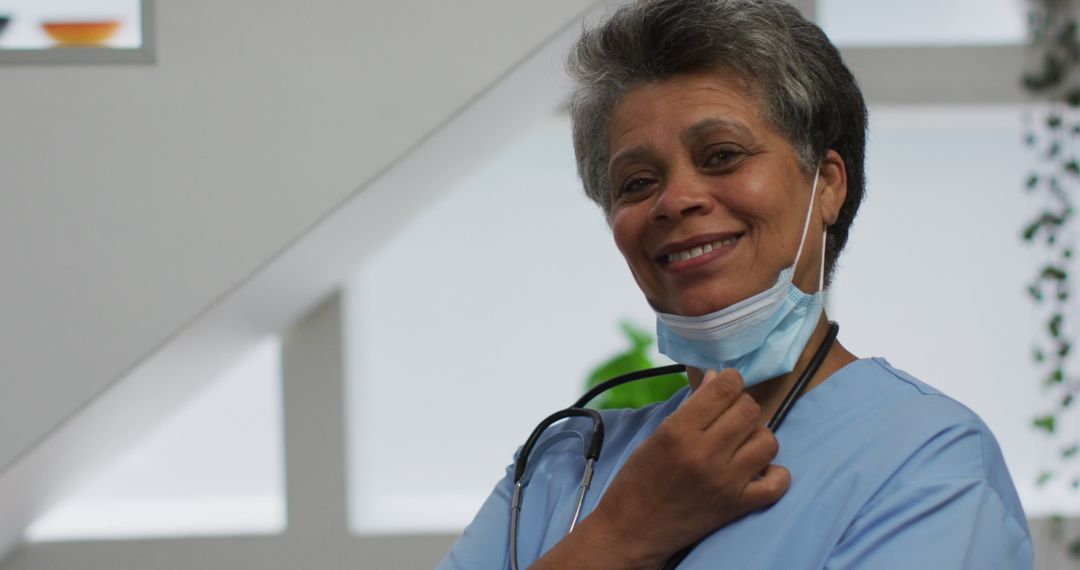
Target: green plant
x=1052 y=126
x=634 y=394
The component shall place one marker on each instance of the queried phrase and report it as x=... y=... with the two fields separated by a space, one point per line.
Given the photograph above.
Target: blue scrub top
x=886 y=472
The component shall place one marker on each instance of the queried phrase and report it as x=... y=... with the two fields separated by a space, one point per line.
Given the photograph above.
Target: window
x=922 y=22
x=215 y=467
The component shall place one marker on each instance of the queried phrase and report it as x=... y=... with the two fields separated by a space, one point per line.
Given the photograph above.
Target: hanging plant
x=1052 y=126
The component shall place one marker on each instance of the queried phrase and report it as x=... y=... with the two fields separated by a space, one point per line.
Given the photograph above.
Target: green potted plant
x=635 y=357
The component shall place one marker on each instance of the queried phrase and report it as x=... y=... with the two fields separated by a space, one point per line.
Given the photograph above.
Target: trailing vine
x=1051 y=128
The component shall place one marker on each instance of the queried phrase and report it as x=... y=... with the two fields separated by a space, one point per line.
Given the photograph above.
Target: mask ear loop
x=806 y=226
x=821 y=275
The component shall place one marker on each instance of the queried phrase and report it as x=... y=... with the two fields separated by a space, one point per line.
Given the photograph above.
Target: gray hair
x=808 y=95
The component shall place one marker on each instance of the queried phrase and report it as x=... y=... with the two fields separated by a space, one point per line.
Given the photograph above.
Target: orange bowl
x=81 y=33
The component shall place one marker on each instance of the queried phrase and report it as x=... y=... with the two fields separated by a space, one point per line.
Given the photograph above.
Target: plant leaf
x=1045 y=423
x=1054 y=325
x=1054 y=272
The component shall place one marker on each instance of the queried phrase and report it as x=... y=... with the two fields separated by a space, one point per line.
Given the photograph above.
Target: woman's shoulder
x=913 y=431
x=891 y=405
x=884 y=449
x=885 y=394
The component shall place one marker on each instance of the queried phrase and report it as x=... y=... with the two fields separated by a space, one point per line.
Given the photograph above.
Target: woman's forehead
x=687 y=107
x=704 y=128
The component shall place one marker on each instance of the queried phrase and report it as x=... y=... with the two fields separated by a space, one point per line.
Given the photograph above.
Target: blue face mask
x=762 y=336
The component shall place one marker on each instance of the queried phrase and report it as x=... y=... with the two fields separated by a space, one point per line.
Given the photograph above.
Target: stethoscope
x=596 y=442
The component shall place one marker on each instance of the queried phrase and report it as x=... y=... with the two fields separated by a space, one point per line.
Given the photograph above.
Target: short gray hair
x=807 y=93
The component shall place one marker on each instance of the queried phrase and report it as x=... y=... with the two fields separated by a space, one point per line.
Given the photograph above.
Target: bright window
x=214 y=467
x=923 y=22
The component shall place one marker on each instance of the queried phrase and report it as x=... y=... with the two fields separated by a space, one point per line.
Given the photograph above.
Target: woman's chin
x=704 y=300
x=699 y=307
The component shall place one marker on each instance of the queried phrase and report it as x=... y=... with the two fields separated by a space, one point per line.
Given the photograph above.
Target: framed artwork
x=76 y=31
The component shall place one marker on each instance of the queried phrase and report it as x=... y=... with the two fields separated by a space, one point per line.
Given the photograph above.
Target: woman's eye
x=722 y=157
x=635 y=185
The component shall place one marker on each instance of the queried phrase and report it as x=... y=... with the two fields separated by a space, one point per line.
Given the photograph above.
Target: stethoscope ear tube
x=592 y=451
x=628 y=377
x=804 y=380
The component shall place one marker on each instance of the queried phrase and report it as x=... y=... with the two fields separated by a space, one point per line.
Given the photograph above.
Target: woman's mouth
x=698 y=254
x=698 y=251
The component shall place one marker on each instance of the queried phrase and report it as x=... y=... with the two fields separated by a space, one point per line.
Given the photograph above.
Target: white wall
x=136 y=196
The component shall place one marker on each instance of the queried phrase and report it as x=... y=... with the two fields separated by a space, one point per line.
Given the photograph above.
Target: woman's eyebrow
x=713 y=124
x=695 y=131
x=631 y=154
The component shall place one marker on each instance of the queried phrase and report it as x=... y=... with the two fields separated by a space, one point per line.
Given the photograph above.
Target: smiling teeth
x=699 y=250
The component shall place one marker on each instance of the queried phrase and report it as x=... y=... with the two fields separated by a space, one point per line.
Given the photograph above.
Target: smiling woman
x=693 y=166
x=724 y=140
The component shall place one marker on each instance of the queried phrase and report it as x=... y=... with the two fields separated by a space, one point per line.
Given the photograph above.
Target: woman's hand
x=706 y=465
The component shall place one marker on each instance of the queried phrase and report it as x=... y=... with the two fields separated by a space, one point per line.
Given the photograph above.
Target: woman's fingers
x=707 y=464
x=736 y=424
x=717 y=392
x=765 y=490
x=756 y=453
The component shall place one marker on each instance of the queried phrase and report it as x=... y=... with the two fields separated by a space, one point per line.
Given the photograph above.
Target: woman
x=724 y=140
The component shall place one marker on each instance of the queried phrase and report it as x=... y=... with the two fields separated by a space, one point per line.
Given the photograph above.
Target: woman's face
x=708 y=200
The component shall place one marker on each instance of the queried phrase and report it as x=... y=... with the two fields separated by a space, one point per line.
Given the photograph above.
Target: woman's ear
x=833 y=187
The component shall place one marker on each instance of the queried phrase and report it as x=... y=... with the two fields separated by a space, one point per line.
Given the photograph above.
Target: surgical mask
x=762 y=336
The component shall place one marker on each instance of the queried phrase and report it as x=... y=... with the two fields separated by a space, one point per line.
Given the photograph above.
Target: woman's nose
x=682 y=196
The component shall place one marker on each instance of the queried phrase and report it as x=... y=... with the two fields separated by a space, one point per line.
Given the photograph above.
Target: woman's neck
x=770 y=394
